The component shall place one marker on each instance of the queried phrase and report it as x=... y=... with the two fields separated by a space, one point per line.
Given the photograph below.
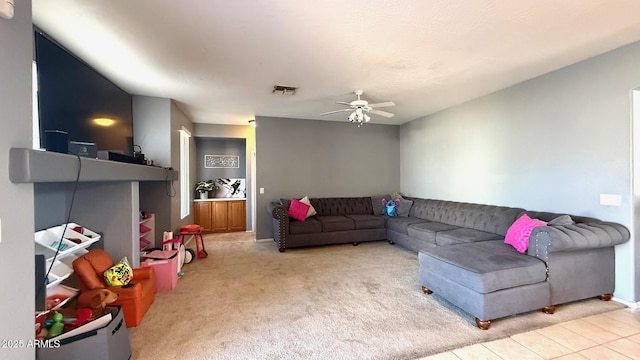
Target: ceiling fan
x=361 y=108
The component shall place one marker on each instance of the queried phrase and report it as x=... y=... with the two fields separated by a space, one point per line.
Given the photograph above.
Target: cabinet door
x=202 y=215
x=237 y=215
x=220 y=216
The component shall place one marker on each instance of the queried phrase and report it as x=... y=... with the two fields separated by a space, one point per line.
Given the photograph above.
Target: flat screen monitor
x=75 y=98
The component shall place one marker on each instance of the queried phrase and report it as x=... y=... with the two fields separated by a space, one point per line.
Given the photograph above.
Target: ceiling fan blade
x=335 y=111
x=343 y=103
x=382 y=104
x=381 y=113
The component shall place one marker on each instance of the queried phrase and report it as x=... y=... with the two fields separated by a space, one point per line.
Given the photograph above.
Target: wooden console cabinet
x=220 y=215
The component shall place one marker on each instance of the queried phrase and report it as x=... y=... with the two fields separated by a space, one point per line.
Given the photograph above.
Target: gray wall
x=151 y=128
x=209 y=146
x=297 y=157
x=553 y=143
x=156 y=125
x=16 y=214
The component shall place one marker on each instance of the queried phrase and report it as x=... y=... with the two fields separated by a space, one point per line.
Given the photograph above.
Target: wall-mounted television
x=75 y=98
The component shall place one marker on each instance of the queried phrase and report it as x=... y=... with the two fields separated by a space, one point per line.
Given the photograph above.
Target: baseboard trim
x=629 y=304
x=264 y=240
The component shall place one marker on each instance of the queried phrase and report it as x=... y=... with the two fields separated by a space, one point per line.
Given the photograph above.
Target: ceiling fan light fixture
x=361 y=109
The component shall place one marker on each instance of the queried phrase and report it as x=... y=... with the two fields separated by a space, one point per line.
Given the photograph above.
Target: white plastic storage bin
x=59 y=269
x=75 y=233
x=50 y=240
x=66 y=293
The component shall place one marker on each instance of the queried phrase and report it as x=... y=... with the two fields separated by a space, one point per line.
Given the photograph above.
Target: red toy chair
x=194 y=230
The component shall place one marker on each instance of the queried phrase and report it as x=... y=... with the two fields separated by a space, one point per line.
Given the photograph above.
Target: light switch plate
x=261 y=190
x=6 y=9
x=611 y=199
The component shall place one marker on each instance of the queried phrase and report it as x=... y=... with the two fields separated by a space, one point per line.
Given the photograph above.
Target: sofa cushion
x=463 y=236
x=426 y=231
x=400 y=224
x=298 y=210
x=561 y=221
x=342 y=206
x=483 y=267
x=336 y=223
x=519 y=232
x=119 y=274
x=404 y=207
x=367 y=221
x=489 y=218
x=376 y=203
x=309 y=226
x=312 y=211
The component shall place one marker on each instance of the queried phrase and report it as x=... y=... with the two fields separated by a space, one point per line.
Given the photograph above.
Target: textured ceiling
x=220 y=59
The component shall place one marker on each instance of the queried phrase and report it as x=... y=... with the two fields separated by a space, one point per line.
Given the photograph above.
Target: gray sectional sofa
x=338 y=221
x=462 y=255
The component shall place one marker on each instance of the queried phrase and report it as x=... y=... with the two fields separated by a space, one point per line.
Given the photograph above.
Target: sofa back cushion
x=488 y=218
x=548 y=217
x=342 y=206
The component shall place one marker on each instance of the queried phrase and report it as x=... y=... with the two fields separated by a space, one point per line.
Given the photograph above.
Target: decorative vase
x=204 y=195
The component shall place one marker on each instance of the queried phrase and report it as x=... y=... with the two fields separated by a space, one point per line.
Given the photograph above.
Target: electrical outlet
x=6 y=9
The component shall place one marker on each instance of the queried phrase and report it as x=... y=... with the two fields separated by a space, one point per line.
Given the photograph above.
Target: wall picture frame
x=221 y=161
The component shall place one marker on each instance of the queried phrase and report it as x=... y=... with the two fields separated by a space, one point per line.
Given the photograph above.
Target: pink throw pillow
x=298 y=210
x=518 y=233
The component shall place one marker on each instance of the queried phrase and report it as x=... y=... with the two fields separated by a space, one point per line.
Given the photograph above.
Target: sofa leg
x=426 y=290
x=483 y=324
x=281 y=249
x=392 y=242
x=355 y=243
x=549 y=309
x=605 y=297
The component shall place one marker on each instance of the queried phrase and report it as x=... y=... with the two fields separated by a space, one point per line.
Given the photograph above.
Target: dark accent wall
x=298 y=157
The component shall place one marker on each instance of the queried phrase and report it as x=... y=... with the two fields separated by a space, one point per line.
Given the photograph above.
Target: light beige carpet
x=248 y=301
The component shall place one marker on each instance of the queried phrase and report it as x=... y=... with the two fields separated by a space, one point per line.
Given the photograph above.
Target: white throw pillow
x=312 y=211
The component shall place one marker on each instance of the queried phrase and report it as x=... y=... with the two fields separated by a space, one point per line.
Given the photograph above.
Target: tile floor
x=613 y=335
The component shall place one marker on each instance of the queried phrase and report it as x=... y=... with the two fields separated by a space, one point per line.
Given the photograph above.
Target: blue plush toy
x=390 y=207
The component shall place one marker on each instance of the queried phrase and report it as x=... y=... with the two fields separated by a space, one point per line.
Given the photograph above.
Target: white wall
x=553 y=143
x=17 y=210
x=178 y=121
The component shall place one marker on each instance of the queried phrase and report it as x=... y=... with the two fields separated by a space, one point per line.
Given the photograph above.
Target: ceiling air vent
x=284 y=90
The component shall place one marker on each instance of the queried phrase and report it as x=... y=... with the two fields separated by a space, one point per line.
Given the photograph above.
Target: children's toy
x=57 y=327
x=102 y=298
x=390 y=207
